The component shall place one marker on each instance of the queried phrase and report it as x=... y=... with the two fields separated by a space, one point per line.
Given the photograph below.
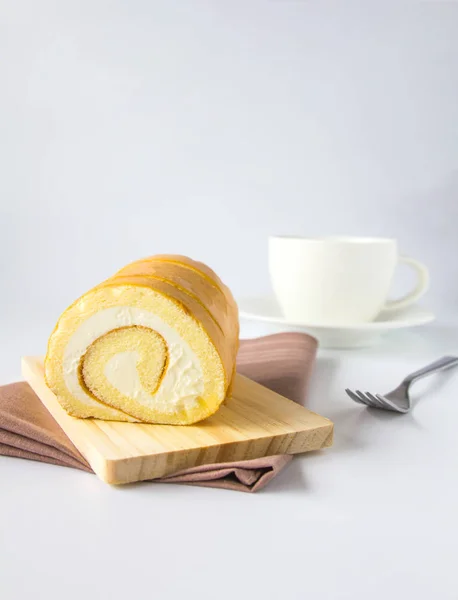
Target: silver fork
x=398 y=400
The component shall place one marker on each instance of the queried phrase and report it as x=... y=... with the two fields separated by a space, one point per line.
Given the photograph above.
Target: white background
x=201 y=127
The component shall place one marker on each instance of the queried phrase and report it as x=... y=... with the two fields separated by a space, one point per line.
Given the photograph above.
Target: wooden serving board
x=255 y=422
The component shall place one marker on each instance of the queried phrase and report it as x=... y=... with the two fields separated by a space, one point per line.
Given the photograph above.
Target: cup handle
x=418 y=291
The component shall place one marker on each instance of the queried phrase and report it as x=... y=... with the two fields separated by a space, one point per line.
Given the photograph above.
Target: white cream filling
x=182 y=382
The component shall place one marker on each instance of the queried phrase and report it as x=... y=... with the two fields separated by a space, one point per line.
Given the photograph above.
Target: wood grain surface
x=255 y=422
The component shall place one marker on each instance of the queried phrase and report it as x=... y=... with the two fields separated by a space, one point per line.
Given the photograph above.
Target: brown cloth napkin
x=282 y=362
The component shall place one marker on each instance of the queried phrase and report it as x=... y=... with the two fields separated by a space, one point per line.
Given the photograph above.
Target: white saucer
x=266 y=309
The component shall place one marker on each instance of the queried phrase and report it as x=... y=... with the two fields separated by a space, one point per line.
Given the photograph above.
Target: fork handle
x=446 y=362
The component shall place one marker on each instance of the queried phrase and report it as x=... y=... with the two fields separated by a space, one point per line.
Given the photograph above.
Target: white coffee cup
x=338 y=280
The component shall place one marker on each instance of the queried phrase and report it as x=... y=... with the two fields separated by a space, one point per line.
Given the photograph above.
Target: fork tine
x=360 y=397
x=353 y=396
x=374 y=401
x=391 y=406
x=365 y=399
x=377 y=400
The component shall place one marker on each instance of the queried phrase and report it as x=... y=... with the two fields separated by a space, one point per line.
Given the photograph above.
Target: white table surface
x=373 y=517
